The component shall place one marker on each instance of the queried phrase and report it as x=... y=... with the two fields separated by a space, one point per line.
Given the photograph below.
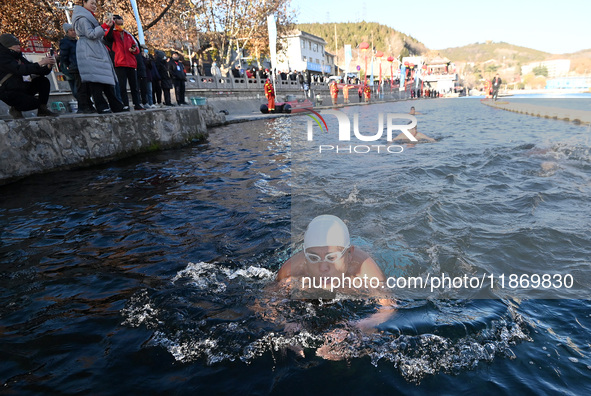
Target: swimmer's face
x=327 y=267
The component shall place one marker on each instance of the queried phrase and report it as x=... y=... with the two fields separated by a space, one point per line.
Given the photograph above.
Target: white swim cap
x=326 y=230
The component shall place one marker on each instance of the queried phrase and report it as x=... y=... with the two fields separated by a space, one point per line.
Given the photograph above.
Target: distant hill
x=580 y=54
x=386 y=39
x=510 y=55
x=580 y=61
x=394 y=43
x=500 y=52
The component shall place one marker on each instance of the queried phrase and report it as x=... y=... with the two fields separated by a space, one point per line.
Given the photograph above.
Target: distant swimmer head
x=326 y=230
x=412 y=110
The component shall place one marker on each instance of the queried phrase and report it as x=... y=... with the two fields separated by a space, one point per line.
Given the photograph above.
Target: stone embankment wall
x=40 y=145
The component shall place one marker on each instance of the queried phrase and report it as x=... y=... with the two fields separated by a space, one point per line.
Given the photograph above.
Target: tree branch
x=159 y=17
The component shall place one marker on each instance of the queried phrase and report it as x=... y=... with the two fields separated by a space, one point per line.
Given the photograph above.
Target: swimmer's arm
x=285 y=271
x=387 y=306
x=291 y=267
x=422 y=136
x=385 y=311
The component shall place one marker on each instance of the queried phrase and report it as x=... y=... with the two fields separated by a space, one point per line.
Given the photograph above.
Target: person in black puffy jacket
x=21 y=80
x=165 y=80
x=179 y=76
x=69 y=62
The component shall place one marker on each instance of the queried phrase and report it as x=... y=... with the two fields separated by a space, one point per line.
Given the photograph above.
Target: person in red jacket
x=270 y=94
x=125 y=48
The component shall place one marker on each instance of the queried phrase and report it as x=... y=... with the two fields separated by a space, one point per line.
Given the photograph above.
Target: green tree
x=540 y=71
x=491 y=69
x=477 y=72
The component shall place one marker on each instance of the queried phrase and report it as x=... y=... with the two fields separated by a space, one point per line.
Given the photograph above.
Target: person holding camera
x=21 y=80
x=94 y=63
x=125 y=48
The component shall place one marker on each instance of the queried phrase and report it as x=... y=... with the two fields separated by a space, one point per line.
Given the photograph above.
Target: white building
x=556 y=68
x=438 y=73
x=304 y=51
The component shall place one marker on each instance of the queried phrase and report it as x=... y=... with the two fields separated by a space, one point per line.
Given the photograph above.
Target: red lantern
x=406 y=64
x=411 y=65
x=364 y=46
x=391 y=59
x=379 y=54
x=424 y=67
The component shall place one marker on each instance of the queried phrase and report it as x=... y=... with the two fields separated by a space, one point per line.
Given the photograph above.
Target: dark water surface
x=152 y=275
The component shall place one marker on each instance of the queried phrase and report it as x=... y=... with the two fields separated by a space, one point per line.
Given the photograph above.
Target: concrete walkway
x=557 y=113
x=248 y=110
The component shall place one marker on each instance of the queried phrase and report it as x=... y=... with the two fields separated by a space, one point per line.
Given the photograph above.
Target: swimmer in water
x=418 y=135
x=329 y=254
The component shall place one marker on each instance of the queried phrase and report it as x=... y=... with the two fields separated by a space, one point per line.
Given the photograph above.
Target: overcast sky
x=556 y=27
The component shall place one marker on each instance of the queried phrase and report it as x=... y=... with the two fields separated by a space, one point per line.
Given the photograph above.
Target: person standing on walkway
x=367 y=92
x=94 y=61
x=165 y=80
x=125 y=48
x=179 y=77
x=300 y=78
x=156 y=88
x=147 y=98
x=68 y=59
x=142 y=78
x=346 y=88
x=18 y=86
x=496 y=84
x=270 y=94
x=334 y=92
x=63 y=58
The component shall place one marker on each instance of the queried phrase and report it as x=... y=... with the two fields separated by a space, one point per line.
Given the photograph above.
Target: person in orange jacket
x=367 y=92
x=270 y=94
x=488 y=89
x=346 y=88
x=334 y=92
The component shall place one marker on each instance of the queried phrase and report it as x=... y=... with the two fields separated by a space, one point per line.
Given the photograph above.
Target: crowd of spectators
x=99 y=61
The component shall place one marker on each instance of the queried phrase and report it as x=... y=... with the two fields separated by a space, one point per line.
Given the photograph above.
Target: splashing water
x=216 y=314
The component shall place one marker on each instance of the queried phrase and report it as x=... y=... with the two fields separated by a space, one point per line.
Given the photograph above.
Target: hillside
x=384 y=38
x=500 y=52
x=510 y=55
x=394 y=43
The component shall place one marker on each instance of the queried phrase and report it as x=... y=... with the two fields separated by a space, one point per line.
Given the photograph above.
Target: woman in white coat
x=94 y=63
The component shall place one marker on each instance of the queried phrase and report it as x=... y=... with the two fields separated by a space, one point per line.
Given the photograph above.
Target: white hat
x=326 y=230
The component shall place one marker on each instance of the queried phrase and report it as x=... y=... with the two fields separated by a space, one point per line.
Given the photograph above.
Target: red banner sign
x=36 y=45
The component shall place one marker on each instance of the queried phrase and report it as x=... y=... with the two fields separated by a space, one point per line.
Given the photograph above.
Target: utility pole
x=336 y=48
x=67 y=7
